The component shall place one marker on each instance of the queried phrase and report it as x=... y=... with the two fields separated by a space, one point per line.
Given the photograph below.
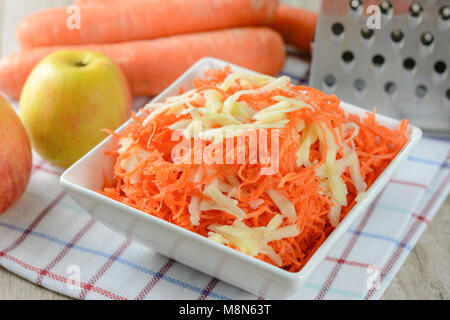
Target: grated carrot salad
x=325 y=161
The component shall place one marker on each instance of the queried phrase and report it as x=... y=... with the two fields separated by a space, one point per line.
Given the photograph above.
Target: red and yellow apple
x=68 y=98
x=15 y=156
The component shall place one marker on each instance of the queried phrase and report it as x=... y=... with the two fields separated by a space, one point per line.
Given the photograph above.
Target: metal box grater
x=401 y=68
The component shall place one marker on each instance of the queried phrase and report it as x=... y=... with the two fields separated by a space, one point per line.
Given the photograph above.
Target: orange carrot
x=152 y=65
x=166 y=189
x=84 y=2
x=140 y=20
x=296 y=25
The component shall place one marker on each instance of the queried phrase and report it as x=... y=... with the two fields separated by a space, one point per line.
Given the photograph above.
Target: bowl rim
x=415 y=134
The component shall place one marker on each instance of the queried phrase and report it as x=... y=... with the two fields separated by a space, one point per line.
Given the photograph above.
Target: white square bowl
x=85 y=177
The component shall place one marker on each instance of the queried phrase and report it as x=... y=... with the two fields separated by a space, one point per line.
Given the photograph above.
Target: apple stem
x=79 y=64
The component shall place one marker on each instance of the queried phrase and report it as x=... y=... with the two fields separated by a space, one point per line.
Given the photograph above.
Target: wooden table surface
x=424 y=274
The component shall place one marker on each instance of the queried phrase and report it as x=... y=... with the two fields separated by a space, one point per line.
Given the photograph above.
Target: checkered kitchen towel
x=48 y=239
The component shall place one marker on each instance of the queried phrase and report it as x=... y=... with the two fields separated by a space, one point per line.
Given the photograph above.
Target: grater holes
x=427 y=38
x=390 y=88
x=378 y=60
x=444 y=13
x=447 y=94
x=440 y=67
x=330 y=80
x=415 y=9
x=409 y=64
x=397 y=35
x=359 y=84
x=355 y=5
x=337 y=29
x=421 y=91
x=348 y=56
x=386 y=7
x=366 y=33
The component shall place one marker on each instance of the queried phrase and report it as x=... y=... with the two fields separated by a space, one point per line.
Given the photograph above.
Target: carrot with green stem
x=140 y=20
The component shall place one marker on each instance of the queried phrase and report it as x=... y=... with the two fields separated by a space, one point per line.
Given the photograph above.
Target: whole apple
x=15 y=156
x=68 y=98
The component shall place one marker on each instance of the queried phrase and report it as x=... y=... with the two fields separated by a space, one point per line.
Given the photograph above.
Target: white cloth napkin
x=48 y=239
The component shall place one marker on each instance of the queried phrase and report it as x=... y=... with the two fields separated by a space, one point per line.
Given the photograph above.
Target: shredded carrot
x=165 y=189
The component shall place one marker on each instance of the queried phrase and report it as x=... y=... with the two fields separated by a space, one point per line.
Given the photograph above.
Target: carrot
x=297 y=26
x=152 y=65
x=84 y=2
x=141 y=20
x=170 y=190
